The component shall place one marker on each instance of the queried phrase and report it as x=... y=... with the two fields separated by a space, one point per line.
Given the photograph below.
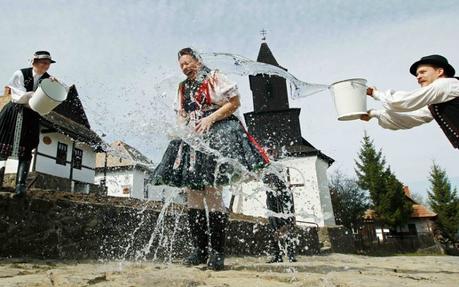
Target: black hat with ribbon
x=43 y=55
x=435 y=60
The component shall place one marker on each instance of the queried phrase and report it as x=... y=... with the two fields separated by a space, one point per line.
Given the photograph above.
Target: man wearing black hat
x=438 y=98
x=19 y=125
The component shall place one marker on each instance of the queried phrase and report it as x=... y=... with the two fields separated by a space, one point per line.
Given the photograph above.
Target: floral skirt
x=29 y=133
x=232 y=151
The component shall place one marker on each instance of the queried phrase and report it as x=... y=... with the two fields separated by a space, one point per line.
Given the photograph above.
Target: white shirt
x=19 y=94
x=404 y=110
x=221 y=88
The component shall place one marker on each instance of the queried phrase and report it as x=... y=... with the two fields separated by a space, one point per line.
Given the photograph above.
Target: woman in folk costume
x=207 y=103
x=19 y=139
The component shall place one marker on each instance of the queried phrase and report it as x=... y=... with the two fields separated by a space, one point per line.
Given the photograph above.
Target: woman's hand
x=203 y=125
x=182 y=117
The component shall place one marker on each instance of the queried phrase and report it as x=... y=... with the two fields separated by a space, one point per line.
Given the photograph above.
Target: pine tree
x=393 y=209
x=386 y=191
x=444 y=202
x=370 y=169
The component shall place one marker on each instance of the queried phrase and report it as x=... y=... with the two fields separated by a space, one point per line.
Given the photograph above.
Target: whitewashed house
x=276 y=126
x=125 y=172
x=65 y=158
x=421 y=223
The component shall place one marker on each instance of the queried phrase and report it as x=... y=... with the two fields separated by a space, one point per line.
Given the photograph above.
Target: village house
x=125 y=172
x=276 y=126
x=65 y=158
x=419 y=228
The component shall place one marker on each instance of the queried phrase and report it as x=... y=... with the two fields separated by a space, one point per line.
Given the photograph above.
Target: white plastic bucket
x=48 y=96
x=350 y=97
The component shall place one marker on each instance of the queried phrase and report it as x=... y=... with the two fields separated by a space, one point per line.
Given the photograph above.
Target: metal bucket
x=350 y=97
x=48 y=96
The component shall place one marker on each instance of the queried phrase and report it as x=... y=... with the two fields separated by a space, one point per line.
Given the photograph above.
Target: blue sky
x=117 y=51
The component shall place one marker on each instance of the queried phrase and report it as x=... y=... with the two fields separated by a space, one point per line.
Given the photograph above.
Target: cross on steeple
x=263 y=33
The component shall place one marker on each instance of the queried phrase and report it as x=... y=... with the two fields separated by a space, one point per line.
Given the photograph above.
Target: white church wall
x=250 y=199
x=303 y=177
x=310 y=190
x=325 y=197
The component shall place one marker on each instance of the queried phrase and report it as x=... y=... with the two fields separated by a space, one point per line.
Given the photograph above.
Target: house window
x=61 y=157
x=78 y=158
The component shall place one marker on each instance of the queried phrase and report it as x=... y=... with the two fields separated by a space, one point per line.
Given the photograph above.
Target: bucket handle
x=353 y=84
x=357 y=83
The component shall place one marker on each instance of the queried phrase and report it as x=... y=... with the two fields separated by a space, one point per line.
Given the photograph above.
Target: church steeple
x=269 y=92
x=273 y=123
x=266 y=56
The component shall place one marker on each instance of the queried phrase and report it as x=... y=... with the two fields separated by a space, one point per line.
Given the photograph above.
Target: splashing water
x=242 y=66
x=153 y=114
x=159 y=224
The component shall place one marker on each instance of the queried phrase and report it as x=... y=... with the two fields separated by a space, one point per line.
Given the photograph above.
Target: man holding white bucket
x=438 y=98
x=19 y=139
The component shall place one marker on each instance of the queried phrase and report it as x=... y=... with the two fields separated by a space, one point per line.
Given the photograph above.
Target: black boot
x=276 y=254
x=291 y=248
x=217 y=224
x=2 y=172
x=21 y=178
x=198 y=228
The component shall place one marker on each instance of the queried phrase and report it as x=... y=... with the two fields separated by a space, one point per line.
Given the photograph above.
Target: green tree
x=386 y=191
x=370 y=169
x=348 y=200
x=444 y=202
x=393 y=209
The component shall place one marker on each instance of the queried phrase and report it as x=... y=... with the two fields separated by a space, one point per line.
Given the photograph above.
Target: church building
x=276 y=127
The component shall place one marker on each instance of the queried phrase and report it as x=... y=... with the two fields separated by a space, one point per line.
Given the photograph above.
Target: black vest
x=447 y=116
x=28 y=78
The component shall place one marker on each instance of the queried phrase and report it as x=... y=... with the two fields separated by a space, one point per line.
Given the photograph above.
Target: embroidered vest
x=28 y=78
x=447 y=116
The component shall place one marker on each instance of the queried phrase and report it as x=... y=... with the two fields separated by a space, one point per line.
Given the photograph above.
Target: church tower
x=273 y=123
x=277 y=126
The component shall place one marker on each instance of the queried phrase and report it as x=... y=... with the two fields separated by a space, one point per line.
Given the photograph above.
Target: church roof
x=307 y=149
x=266 y=56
